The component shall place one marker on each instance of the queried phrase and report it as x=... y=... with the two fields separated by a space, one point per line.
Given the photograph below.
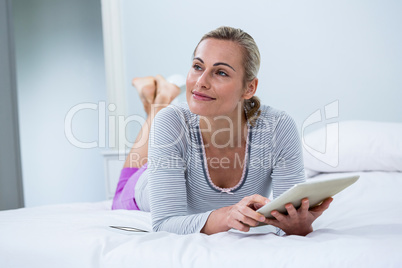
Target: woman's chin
x=200 y=109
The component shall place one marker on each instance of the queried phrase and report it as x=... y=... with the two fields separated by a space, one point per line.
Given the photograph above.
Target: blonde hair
x=251 y=60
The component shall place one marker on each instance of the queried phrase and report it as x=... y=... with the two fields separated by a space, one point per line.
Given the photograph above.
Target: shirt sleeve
x=167 y=180
x=287 y=157
x=288 y=167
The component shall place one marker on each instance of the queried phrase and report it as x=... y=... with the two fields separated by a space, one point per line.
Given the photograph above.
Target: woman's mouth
x=203 y=97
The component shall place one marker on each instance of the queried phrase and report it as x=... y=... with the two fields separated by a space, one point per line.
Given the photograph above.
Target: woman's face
x=215 y=80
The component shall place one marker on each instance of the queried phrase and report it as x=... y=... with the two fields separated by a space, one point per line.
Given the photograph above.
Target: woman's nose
x=203 y=81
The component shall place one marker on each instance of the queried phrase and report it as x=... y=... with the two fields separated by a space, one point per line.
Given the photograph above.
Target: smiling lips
x=203 y=97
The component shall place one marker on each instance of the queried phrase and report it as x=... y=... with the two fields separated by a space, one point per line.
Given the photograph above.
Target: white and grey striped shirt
x=181 y=195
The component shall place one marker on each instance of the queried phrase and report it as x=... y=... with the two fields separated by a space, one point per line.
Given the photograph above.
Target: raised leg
x=155 y=93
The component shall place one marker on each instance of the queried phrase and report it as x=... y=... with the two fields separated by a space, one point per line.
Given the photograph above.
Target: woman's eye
x=196 y=67
x=222 y=73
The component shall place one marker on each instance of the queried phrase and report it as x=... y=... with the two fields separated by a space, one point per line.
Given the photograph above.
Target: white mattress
x=362 y=228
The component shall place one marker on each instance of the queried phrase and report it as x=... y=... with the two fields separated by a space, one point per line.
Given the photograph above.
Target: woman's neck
x=225 y=131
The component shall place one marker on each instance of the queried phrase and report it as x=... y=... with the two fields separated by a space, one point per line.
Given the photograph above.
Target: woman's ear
x=251 y=88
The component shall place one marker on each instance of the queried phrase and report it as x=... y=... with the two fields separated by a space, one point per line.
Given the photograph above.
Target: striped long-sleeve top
x=181 y=194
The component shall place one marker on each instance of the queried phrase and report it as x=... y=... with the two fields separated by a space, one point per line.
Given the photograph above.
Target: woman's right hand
x=239 y=216
x=243 y=214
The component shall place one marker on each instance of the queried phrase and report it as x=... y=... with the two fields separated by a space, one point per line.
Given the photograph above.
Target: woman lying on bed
x=206 y=166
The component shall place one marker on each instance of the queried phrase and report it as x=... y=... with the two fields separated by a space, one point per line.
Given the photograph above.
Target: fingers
x=291 y=210
x=323 y=206
x=255 y=199
x=250 y=216
x=278 y=216
x=298 y=221
x=247 y=219
x=303 y=210
x=238 y=221
x=273 y=222
x=293 y=214
x=240 y=226
x=328 y=201
x=243 y=215
x=305 y=204
x=257 y=206
x=249 y=204
x=280 y=220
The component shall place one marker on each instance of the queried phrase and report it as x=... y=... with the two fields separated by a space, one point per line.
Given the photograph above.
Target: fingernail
x=262 y=219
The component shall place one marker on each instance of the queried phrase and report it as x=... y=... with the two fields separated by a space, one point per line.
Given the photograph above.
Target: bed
x=362 y=228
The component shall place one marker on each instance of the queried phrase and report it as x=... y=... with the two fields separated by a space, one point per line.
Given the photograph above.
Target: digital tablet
x=315 y=190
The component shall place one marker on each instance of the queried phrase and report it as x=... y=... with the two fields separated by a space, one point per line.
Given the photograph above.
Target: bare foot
x=165 y=92
x=146 y=87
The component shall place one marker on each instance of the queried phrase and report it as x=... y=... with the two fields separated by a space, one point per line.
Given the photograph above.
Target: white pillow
x=354 y=146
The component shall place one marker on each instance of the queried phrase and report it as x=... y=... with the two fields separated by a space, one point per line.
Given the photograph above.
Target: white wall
x=313 y=52
x=59 y=55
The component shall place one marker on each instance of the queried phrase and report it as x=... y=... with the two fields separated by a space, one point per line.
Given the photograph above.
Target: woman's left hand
x=298 y=222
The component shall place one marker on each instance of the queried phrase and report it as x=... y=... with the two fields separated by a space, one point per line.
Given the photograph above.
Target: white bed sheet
x=362 y=228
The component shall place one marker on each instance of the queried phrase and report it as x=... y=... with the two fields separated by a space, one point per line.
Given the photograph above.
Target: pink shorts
x=124 y=198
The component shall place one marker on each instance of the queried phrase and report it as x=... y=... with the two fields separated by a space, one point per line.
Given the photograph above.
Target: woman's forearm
x=216 y=222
